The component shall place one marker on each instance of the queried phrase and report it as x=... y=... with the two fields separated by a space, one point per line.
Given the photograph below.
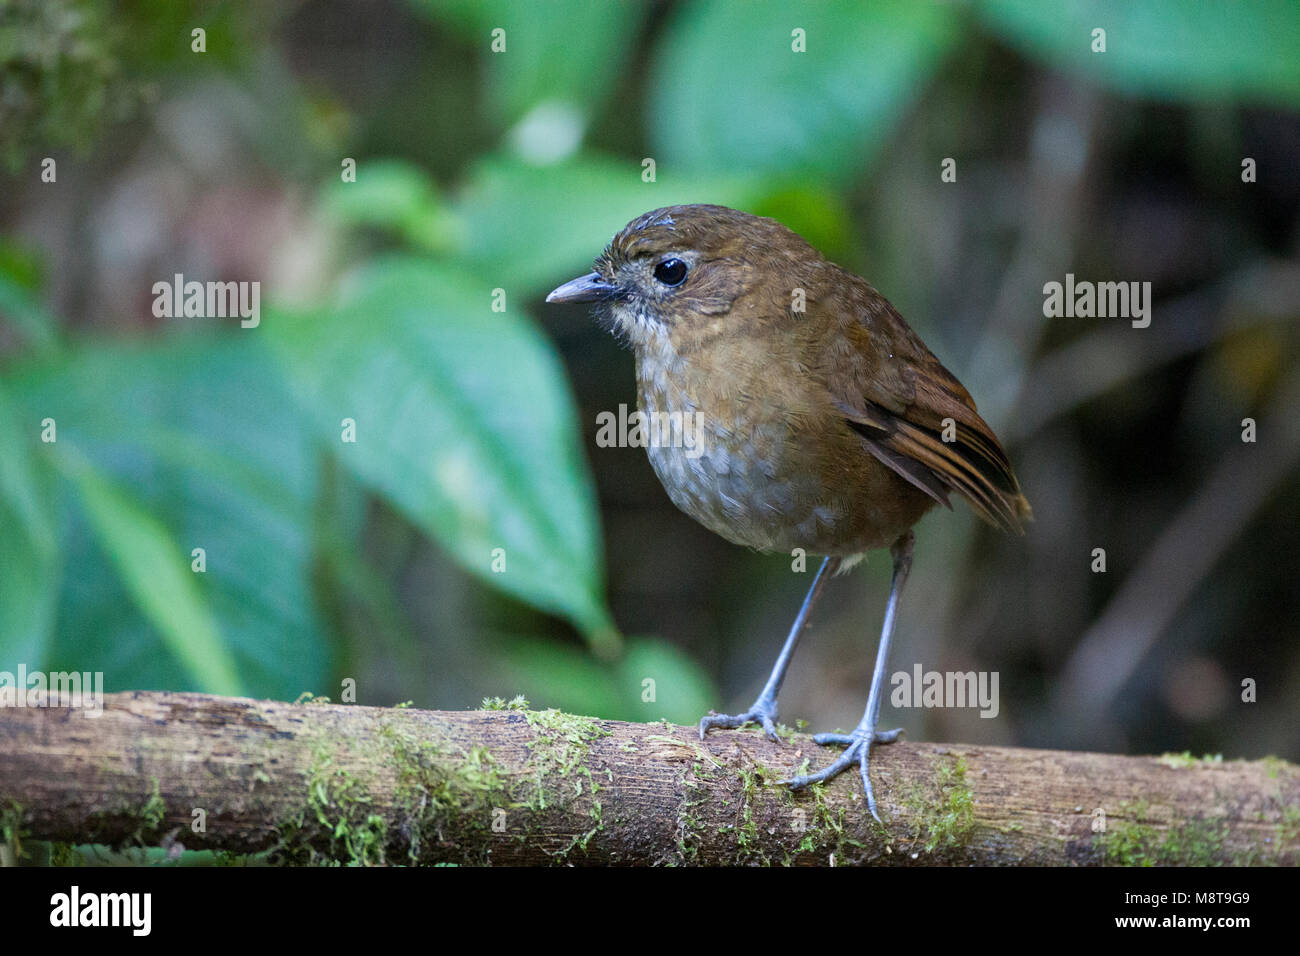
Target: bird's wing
x=904 y=403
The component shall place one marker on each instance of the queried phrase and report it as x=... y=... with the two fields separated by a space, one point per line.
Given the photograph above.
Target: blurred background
x=492 y=166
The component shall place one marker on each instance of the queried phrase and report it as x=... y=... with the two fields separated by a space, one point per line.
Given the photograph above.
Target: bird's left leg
x=859 y=742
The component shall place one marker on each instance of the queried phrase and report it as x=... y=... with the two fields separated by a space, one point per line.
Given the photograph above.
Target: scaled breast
x=727 y=477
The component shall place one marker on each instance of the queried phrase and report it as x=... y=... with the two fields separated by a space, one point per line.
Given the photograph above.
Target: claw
x=761 y=713
x=858 y=746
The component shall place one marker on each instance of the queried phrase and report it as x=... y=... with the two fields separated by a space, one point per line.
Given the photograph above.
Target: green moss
x=690 y=828
x=749 y=848
x=820 y=826
x=445 y=800
x=1128 y=841
x=140 y=820
x=447 y=796
x=826 y=831
x=1288 y=833
x=153 y=812
x=64 y=854
x=580 y=841
x=341 y=806
x=559 y=749
x=438 y=790
x=12 y=831
x=1197 y=842
x=1185 y=759
x=1276 y=766
x=945 y=811
x=558 y=753
x=697 y=813
x=518 y=702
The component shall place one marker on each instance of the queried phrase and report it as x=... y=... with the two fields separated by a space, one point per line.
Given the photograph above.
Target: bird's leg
x=859 y=742
x=763 y=710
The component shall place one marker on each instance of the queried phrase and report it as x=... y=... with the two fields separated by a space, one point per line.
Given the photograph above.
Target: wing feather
x=904 y=404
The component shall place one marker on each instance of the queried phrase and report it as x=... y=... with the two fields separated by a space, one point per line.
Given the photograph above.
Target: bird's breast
x=761 y=458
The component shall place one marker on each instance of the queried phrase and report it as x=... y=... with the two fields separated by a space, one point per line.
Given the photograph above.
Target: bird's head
x=675 y=270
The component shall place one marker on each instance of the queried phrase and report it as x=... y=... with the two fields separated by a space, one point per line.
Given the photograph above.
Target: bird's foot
x=762 y=712
x=858 y=747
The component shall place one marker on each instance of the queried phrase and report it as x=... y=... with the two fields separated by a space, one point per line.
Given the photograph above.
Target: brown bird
x=824 y=421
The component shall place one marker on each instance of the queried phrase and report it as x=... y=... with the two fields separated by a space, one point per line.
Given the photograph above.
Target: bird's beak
x=588 y=288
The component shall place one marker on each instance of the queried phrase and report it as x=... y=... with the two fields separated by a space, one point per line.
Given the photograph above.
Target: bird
x=824 y=422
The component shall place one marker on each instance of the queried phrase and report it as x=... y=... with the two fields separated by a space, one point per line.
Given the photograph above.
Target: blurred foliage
x=481 y=170
x=484 y=455
x=189 y=441
x=736 y=104
x=70 y=69
x=572 y=210
x=554 y=51
x=1167 y=48
x=60 y=75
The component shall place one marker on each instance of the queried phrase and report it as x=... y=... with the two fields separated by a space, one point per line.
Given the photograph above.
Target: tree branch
x=318 y=782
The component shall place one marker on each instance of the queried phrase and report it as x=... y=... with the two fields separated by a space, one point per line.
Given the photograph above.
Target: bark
x=314 y=783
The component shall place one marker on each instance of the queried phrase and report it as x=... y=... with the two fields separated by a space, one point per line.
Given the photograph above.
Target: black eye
x=671 y=272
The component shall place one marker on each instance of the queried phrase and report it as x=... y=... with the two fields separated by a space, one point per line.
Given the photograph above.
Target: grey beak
x=588 y=288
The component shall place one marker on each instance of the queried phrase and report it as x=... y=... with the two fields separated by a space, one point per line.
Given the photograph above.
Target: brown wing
x=901 y=398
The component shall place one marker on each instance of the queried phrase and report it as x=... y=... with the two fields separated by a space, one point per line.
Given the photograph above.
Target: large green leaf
x=198 y=433
x=1165 y=48
x=528 y=229
x=156 y=572
x=464 y=421
x=29 y=566
x=567 y=51
x=729 y=92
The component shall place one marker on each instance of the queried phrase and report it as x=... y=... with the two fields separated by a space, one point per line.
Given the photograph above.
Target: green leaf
x=532 y=228
x=29 y=559
x=816 y=213
x=1164 y=48
x=397 y=196
x=21 y=307
x=567 y=51
x=464 y=422
x=729 y=92
x=206 y=437
x=682 y=691
x=157 y=575
x=553 y=675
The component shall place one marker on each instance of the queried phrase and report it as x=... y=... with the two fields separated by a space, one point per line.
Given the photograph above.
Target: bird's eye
x=671 y=272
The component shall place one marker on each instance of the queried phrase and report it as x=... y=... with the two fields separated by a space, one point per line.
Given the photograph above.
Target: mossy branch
x=314 y=783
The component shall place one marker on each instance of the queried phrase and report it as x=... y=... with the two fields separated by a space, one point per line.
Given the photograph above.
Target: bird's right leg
x=858 y=744
x=763 y=710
